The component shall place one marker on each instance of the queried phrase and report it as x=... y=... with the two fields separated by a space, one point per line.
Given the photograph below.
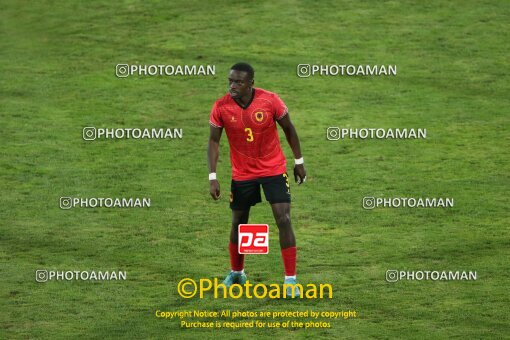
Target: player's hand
x=299 y=173
x=215 y=189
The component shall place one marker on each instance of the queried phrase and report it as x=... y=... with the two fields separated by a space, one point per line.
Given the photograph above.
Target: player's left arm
x=293 y=139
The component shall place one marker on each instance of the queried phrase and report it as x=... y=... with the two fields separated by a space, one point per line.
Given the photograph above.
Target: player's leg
x=236 y=274
x=277 y=191
x=236 y=259
x=243 y=194
x=281 y=212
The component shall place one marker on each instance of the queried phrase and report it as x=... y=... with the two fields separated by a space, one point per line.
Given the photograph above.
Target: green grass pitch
x=57 y=75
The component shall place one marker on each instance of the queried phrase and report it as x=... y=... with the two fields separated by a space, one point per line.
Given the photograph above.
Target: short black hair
x=244 y=67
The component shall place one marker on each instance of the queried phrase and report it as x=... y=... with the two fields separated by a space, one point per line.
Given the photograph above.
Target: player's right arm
x=213 y=153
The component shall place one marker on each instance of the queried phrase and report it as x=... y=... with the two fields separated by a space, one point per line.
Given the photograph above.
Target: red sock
x=236 y=259
x=289 y=260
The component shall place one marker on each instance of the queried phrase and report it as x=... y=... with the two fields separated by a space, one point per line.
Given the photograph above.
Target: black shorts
x=244 y=194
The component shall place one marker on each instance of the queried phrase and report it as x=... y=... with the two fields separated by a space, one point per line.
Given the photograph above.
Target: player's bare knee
x=283 y=220
x=239 y=217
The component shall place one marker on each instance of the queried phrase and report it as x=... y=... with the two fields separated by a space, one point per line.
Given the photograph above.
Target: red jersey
x=252 y=134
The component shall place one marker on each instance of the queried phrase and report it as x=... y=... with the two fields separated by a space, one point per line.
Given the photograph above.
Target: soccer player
x=249 y=116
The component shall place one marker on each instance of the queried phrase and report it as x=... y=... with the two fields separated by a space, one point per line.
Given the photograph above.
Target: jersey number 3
x=249 y=138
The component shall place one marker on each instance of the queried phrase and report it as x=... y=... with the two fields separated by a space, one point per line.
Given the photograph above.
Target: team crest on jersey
x=259 y=116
